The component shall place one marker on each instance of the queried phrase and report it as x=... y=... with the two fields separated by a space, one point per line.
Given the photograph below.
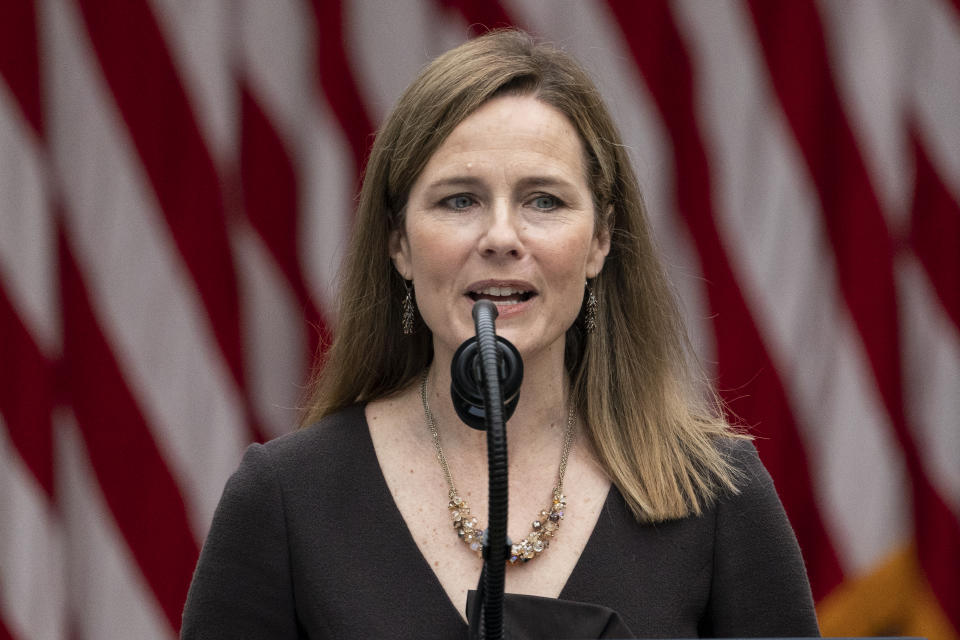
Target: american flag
x=176 y=185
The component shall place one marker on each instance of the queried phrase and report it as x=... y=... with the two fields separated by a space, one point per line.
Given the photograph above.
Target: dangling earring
x=590 y=317
x=406 y=314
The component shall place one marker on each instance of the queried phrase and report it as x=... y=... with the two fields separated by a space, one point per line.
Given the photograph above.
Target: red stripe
x=747 y=377
x=4 y=632
x=938 y=547
x=271 y=202
x=935 y=232
x=19 y=62
x=137 y=486
x=796 y=53
x=26 y=394
x=26 y=376
x=145 y=85
x=337 y=82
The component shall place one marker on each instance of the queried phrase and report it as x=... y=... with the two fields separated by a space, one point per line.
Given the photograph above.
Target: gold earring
x=406 y=314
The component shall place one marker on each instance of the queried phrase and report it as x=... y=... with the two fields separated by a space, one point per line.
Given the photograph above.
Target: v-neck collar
x=407 y=546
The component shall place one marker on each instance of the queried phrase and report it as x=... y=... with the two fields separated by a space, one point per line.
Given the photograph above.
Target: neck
x=541 y=412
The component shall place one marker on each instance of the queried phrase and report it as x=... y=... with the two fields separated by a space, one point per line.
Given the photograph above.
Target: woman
x=500 y=175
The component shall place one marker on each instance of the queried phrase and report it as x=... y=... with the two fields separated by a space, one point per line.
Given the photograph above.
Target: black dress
x=308 y=543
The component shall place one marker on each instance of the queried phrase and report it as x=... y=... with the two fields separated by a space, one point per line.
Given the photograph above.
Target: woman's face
x=502 y=211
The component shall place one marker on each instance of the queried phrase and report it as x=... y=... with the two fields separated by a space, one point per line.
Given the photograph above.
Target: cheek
x=569 y=260
x=434 y=258
x=432 y=261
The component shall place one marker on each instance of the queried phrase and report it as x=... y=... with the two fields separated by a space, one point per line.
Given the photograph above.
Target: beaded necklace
x=468 y=528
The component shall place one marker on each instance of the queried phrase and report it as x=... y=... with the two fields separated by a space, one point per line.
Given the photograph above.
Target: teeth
x=499 y=291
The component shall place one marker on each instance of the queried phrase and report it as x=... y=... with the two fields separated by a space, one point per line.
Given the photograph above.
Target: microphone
x=466 y=370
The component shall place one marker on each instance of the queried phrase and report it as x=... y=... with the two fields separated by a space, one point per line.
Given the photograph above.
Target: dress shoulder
x=243 y=583
x=759 y=584
x=336 y=433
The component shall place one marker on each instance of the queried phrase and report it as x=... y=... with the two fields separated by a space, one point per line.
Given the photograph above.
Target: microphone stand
x=495 y=540
x=494 y=365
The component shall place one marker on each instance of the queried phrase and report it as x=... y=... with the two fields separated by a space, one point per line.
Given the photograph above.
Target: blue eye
x=458 y=202
x=545 y=203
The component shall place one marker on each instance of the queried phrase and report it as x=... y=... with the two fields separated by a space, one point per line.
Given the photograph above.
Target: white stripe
x=200 y=37
x=867 y=43
x=592 y=35
x=897 y=65
x=28 y=247
x=932 y=376
x=32 y=563
x=106 y=591
x=203 y=39
x=143 y=295
x=276 y=340
x=284 y=80
x=391 y=42
x=327 y=213
x=932 y=342
x=936 y=89
x=768 y=216
x=283 y=77
x=278 y=54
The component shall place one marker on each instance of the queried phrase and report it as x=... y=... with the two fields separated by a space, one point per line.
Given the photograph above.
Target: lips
x=501 y=293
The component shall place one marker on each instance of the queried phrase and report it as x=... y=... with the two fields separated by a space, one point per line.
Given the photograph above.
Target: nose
x=502 y=233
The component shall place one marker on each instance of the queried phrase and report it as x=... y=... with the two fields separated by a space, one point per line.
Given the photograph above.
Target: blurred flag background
x=176 y=184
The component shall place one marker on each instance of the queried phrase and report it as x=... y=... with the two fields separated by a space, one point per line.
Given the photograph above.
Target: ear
x=400 y=253
x=600 y=245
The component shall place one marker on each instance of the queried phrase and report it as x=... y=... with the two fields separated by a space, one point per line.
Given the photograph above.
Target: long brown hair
x=651 y=419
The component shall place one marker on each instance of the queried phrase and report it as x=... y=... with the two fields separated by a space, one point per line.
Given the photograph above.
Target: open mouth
x=501 y=295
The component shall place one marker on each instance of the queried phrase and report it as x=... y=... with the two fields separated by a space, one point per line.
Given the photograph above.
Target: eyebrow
x=544 y=181
x=456 y=181
x=524 y=183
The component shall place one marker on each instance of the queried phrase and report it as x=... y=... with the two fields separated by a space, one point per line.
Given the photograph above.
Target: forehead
x=511 y=132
